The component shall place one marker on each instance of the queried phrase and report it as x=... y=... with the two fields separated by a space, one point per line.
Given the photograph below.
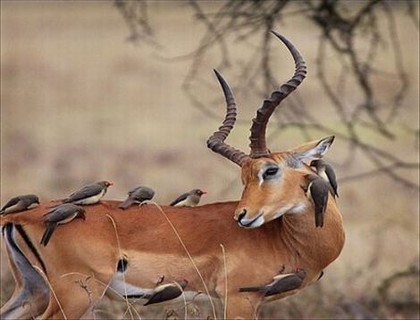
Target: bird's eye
x=270 y=172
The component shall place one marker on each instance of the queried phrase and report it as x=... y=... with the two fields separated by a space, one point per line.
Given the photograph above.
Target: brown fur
x=88 y=251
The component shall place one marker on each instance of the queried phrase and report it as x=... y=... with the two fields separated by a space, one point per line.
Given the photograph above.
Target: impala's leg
x=74 y=295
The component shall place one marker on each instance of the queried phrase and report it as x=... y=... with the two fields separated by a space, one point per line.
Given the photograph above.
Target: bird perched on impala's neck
x=189 y=199
x=281 y=283
x=317 y=190
x=64 y=213
x=89 y=194
x=19 y=203
x=167 y=292
x=326 y=172
x=137 y=195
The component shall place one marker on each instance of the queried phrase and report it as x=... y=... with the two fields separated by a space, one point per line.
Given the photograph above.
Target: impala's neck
x=310 y=246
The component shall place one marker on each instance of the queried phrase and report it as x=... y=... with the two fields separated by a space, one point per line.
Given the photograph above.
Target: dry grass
x=79 y=104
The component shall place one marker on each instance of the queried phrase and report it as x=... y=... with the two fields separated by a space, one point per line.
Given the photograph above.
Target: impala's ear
x=313 y=150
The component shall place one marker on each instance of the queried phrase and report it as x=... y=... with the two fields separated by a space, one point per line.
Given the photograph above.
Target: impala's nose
x=240 y=215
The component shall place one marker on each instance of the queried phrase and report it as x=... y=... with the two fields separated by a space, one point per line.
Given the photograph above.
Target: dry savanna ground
x=79 y=103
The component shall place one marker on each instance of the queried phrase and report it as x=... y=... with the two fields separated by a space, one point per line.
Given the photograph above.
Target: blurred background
x=124 y=91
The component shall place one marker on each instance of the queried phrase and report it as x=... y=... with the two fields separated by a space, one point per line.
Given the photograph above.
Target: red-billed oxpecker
x=89 y=194
x=167 y=292
x=189 y=199
x=137 y=196
x=62 y=214
x=317 y=191
x=19 y=203
x=281 y=283
x=326 y=172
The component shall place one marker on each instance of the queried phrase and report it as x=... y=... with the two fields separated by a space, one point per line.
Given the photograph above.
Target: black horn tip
x=220 y=78
x=278 y=35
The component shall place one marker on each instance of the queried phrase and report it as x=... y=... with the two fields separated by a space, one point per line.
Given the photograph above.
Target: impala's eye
x=270 y=172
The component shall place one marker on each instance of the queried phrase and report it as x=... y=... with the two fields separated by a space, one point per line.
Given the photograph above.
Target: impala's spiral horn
x=259 y=124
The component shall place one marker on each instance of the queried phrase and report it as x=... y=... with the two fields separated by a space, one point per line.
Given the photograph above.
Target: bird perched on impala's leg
x=326 y=172
x=19 y=203
x=137 y=195
x=317 y=190
x=89 y=194
x=167 y=292
x=64 y=213
x=189 y=199
x=281 y=283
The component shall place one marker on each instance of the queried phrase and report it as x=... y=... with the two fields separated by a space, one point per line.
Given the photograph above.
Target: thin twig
x=119 y=249
x=51 y=288
x=226 y=281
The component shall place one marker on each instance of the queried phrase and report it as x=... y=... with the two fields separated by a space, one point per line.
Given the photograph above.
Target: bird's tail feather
x=124 y=205
x=46 y=236
x=250 y=289
x=319 y=219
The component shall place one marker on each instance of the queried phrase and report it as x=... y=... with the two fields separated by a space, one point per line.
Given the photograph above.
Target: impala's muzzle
x=250 y=223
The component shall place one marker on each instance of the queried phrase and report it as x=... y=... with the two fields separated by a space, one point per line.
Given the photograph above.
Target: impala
x=218 y=247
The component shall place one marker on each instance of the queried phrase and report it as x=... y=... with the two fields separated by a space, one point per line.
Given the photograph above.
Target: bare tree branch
x=353 y=34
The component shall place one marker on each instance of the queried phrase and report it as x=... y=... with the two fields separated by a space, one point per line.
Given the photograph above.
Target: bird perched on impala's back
x=19 y=203
x=89 y=194
x=317 y=190
x=281 y=283
x=326 y=172
x=64 y=213
x=167 y=292
x=189 y=199
x=137 y=195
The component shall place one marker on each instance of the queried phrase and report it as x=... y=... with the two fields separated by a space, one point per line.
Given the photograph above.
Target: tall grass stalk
x=189 y=256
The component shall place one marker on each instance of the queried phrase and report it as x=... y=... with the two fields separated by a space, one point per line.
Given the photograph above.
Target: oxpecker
x=19 y=203
x=64 y=213
x=167 y=291
x=281 y=283
x=326 y=172
x=189 y=199
x=89 y=194
x=137 y=195
x=317 y=191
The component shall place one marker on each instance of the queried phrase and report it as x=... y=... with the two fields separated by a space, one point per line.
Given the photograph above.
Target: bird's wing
x=85 y=192
x=10 y=203
x=169 y=293
x=60 y=214
x=290 y=282
x=331 y=177
x=180 y=198
x=319 y=192
x=143 y=194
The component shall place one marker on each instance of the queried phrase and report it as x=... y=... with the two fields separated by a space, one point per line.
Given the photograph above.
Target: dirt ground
x=79 y=104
